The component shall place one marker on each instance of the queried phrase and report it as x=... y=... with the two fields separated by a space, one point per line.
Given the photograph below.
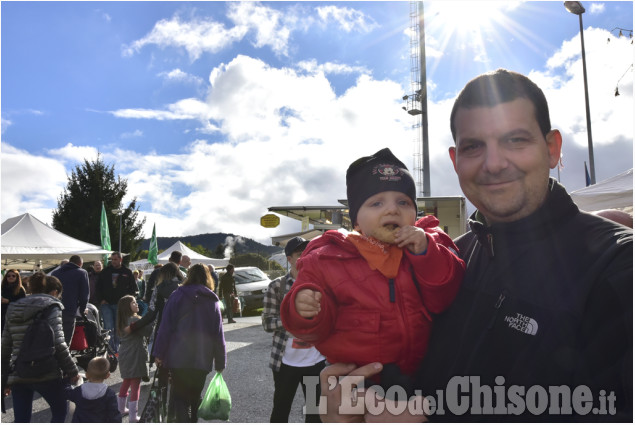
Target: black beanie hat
x=370 y=175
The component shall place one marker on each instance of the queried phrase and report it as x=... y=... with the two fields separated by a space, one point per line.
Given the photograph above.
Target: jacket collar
x=557 y=209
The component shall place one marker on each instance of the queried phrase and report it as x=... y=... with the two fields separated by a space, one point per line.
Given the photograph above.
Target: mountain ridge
x=238 y=244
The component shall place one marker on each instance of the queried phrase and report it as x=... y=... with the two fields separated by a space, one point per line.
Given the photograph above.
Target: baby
x=94 y=401
x=368 y=296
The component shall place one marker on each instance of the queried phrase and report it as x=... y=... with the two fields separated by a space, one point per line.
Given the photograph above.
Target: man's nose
x=495 y=159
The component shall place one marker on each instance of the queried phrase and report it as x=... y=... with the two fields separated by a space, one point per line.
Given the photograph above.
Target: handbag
x=217 y=402
x=79 y=341
x=237 y=305
x=154 y=410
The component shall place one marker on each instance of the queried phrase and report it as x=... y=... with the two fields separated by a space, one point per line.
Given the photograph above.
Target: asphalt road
x=247 y=375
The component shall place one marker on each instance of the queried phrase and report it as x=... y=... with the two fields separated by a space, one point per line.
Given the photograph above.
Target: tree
x=254 y=260
x=78 y=210
x=200 y=249
x=219 y=252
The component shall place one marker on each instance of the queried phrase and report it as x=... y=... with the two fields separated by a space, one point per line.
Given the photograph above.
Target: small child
x=94 y=401
x=368 y=296
x=133 y=356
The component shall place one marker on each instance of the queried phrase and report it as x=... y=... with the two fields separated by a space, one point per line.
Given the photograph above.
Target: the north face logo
x=522 y=323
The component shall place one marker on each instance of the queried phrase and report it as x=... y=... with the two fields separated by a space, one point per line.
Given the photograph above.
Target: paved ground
x=248 y=377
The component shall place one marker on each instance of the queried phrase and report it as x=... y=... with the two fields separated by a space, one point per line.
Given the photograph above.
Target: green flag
x=154 y=248
x=105 y=233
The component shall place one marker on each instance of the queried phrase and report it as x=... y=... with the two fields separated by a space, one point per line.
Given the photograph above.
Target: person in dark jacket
x=227 y=292
x=76 y=290
x=190 y=341
x=94 y=401
x=115 y=281
x=93 y=277
x=12 y=290
x=45 y=293
x=544 y=319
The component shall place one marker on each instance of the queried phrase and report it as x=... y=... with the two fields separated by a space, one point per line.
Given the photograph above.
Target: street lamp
x=120 y=212
x=576 y=8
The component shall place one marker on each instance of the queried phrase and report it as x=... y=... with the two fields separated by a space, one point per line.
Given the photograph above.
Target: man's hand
x=307 y=303
x=158 y=361
x=333 y=395
x=413 y=238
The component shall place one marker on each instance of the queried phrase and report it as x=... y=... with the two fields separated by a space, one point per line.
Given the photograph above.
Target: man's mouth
x=391 y=226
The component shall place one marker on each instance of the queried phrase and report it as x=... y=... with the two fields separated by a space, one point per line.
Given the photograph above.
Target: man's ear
x=554 y=147
x=452 y=152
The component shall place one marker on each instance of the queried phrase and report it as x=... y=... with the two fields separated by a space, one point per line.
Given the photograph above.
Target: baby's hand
x=413 y=238
x=307 y=303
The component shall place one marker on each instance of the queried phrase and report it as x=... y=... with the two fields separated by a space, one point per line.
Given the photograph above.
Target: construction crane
x=417 y=101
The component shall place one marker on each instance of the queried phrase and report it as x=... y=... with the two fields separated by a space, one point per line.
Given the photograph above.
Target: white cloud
x=30 y=183
x=196 y=36
x=5 y=124
x=312 y=66
x=186 y=109
x=597 y=8
x=74 y=154
x=263 y=26
x=178 y=76
x=131 y=134
x=346 y=18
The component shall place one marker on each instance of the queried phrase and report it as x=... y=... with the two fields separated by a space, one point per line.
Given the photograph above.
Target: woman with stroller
x=190 y=342
x=45 y=292
x=12 y=290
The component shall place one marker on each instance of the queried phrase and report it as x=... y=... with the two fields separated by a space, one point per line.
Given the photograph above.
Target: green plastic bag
x=217 y=402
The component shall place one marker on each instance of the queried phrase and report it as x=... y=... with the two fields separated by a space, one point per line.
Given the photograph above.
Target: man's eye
x=469 y=147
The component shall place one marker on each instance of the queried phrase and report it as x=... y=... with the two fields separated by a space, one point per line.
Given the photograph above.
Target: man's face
x=115 y=260
x=185 y=261
x=503 y=160
x=293 y=260
x=98 y=266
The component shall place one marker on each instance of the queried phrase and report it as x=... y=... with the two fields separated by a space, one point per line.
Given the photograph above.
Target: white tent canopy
x=178 y=246
x=29 y=243
x=614 y=192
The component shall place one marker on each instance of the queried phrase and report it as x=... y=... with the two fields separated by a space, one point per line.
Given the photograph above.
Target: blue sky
x=215 y=111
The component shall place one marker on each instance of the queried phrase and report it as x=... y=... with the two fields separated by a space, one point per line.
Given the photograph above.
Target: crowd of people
x=62 y=297
x=536 y=295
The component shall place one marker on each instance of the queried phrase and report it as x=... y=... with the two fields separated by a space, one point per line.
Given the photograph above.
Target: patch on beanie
x=388 y=172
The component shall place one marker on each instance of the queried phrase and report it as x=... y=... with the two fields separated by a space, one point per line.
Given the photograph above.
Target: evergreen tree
x=78 y=210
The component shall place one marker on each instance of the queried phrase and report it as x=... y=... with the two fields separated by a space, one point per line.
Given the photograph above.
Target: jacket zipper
x=391 y=290
x=497 y=307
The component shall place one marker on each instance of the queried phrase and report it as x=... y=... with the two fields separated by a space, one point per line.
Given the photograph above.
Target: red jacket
x=358 y=321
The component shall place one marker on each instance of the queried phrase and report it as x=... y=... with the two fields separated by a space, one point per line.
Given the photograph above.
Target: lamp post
x=576 y=8
x=120 y=212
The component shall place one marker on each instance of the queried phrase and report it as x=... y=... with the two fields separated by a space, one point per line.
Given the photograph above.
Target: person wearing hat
x=292 y=359
x=368 y=296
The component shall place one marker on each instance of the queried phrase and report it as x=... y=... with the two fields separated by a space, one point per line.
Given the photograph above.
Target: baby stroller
x=90 y=340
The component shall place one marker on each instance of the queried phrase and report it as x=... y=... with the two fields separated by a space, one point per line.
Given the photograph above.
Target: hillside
x=240 y=245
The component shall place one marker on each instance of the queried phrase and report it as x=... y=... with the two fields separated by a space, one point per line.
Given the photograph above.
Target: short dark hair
x=40 y=283
x=76 y=259
x=501 y=86
x=229 y=267
x=175 y=256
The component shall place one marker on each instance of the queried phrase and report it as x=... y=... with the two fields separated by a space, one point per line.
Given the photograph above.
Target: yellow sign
x=269 y=220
